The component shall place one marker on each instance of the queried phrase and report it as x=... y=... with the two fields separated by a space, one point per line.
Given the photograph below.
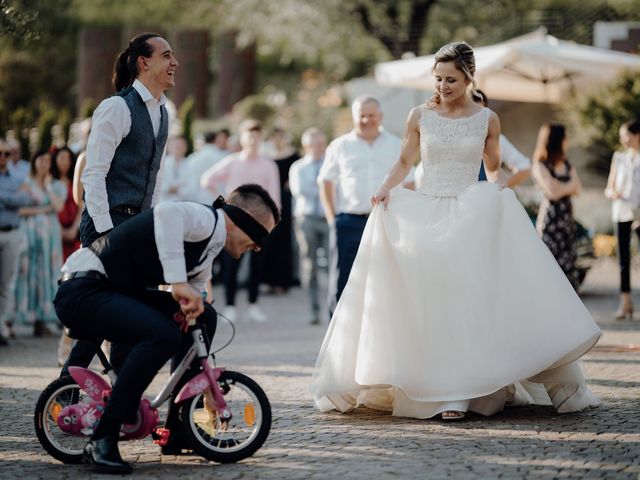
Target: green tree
x=596 y=119
x=64 y=121
x=16 y=23
x=186 y=113
x=45 y=125
x=38 y=67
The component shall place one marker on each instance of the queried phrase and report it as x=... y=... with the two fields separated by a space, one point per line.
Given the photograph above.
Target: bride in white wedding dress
x=453 y=304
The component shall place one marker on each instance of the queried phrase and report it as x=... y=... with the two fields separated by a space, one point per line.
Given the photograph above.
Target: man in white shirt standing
x=311 y=227
x=128 y=137
x=125 y=148
x=355 y=164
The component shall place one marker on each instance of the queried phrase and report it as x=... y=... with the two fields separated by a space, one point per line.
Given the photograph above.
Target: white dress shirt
x=196 y=164
x=111 y=123
x=511 y=157
x=174 y=224
x=358 y=168
x=626 y=166
x=303 y=183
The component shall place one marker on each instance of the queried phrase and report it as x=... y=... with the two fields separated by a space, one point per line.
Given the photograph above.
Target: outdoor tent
x=536 y=67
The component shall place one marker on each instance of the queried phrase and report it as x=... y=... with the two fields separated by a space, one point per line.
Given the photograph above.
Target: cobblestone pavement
x=527 y=442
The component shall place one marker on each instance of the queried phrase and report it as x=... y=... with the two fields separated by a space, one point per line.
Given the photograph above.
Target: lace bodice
x=451 y=151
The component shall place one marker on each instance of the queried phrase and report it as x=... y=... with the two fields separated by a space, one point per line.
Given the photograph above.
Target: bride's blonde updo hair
x=461 y=54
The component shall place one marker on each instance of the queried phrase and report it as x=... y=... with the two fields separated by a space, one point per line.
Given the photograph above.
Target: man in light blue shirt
x=18 y=166
x=12 y=196
x=312 y=231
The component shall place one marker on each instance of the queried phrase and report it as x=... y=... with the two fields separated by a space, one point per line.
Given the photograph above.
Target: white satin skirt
x=454 y=303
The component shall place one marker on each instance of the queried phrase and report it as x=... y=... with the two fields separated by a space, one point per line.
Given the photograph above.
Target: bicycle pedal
x=161 y=436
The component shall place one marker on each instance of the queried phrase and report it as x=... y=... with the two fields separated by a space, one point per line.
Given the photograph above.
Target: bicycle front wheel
x=228 y=441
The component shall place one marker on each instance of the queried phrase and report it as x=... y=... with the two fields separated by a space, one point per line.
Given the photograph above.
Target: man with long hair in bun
x=125 y=149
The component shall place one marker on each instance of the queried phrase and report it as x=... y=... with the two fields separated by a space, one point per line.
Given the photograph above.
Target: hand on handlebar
x=189 y=298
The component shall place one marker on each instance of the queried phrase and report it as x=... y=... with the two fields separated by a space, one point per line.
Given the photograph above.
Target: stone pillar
x=192 y=77
x=98 y=48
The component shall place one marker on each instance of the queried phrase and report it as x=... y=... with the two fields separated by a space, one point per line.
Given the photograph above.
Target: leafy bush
x=45 y=124
x=596 y=119
x=186 y=113
x=254 y=106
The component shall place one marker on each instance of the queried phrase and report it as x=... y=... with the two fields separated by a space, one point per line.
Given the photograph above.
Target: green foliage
x=254 y=106
x=40 y=67
x=186 y=113
x=45 y=125
x=15 y=23
x=316 y=103
x=596 y=119
x=65 y=121
x=20 y=120
x=482 y=22
x=87 y=107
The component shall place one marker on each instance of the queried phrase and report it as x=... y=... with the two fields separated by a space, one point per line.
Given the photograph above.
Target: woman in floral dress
x=41 y=259
x=559 y=181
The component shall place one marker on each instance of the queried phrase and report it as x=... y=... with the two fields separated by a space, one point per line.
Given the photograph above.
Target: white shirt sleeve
x=111 y=122
x=294 y=178
x=513 y=159
x=174 y=224
x=330 y=169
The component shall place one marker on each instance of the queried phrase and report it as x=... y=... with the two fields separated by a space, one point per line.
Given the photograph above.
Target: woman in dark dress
x=280 y=257
x=559 y=181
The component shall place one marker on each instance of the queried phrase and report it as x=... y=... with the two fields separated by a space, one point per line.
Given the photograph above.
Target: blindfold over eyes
x=245 y=222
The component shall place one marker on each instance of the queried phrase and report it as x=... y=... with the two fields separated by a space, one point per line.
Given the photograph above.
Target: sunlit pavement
x=526 y=442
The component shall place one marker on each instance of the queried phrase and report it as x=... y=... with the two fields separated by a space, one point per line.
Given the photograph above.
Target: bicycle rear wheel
x=228 y=441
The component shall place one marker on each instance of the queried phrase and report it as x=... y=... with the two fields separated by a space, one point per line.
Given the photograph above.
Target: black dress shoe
x=104 y=456
x=172 y=448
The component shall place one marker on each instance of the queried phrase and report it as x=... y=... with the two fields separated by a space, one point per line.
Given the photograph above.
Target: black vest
x=132 y=176
x=130 y=256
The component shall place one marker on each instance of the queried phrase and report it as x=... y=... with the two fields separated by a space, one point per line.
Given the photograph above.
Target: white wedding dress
x=453 y=302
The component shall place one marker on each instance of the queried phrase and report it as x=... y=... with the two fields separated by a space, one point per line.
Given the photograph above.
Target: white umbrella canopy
x=536 y=67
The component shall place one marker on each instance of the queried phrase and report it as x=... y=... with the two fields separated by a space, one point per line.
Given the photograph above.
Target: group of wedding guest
x=39 y=222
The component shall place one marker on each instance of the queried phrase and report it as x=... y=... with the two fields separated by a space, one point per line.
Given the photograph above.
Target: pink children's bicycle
x=224 y=416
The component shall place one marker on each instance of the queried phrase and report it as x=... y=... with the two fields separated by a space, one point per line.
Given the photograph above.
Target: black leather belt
x=126 y=210
x=82 y=274
x=7 y=228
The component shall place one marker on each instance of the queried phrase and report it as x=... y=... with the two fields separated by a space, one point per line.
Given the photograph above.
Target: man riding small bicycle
x=104 y=293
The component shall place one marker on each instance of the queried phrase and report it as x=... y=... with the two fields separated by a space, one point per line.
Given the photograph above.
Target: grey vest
x=134 y=168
